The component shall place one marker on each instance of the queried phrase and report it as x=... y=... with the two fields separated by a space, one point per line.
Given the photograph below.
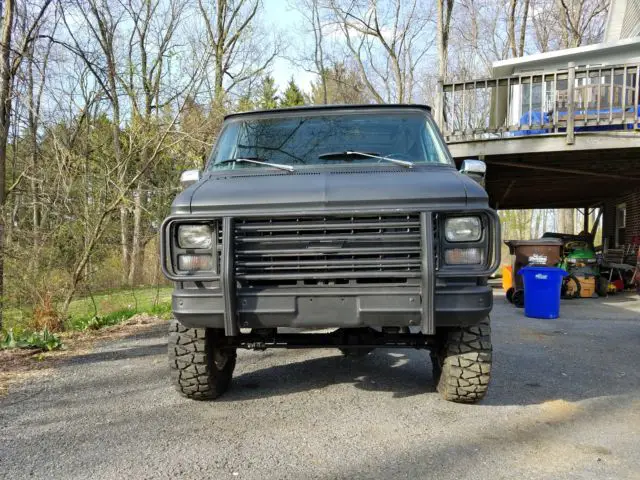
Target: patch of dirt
x=539 y=335
x=558 y=411
x=594 y=449
x=17 y=365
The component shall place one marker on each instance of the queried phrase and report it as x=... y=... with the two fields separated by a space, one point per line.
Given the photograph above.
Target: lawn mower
x=580 y=262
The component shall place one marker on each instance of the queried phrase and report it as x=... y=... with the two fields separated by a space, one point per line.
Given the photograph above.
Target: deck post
x=440 y=105
x=586 y=220
x=637 y=102
x=571 y=108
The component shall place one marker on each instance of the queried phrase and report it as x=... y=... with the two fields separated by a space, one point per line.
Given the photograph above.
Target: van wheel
x=462 y=363
x=200 y=369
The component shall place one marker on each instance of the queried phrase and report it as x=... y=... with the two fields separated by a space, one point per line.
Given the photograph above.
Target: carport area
x=591 y=172
x=556 y=132
x=597 y=171
x=564 y=403
x=527 y=173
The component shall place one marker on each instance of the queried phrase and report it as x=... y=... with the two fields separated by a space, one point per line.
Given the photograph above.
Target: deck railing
x=584 y=99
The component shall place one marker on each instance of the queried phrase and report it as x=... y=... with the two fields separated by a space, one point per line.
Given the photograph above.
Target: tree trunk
x=538 y=223
x=219 y=52
x=445 y=8
x=523 y=28
x=319 y=57
x=5 y=118
x=35 y=188
x=136 y=238
x=511 y=27
x=566 y=223
x=124 y=241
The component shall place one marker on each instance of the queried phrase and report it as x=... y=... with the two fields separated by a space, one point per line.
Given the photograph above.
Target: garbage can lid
x=535 y=242
x=542 y=269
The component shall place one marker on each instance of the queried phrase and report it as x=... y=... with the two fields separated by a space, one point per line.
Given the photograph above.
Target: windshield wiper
x=350 y=153
x=257 y=161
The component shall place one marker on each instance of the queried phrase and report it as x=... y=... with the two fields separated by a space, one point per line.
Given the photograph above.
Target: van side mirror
x=189 y=177
x=475 y=169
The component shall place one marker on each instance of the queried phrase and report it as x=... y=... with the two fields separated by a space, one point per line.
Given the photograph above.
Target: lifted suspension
x=341 y=338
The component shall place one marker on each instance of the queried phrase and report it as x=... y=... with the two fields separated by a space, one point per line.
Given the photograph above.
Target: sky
x=279 y=14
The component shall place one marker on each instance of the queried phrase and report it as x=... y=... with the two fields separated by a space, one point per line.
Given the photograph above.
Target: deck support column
x=586 y=220
x=571 y=107
x=440 y=105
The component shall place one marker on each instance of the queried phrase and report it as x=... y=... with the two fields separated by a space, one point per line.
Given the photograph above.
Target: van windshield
x=329 y=139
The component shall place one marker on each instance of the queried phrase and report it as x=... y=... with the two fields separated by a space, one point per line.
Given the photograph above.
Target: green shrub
x=43 y=340
x=114 y=307
x=97 y=322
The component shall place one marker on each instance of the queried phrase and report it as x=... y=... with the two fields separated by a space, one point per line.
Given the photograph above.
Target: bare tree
x=10 y=60
x=239 y=53
x=341 y=83
x=387 y=44
x=546 y=24
x=149 y=46
x=103 y=21
x=445 y=10
x=310 y=10
x=517 y=45
x=583 y=20
x=155 y=143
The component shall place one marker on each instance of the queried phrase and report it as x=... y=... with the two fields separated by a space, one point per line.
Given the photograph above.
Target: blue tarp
x=536 y=118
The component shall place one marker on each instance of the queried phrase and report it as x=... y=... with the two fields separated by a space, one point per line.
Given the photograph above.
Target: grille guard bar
x=428 y=271
x=171 y=274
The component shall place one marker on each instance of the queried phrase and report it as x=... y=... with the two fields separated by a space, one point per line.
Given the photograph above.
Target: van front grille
x=328 y=249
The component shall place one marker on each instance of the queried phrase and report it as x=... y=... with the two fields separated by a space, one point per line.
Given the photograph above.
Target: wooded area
x=104 y=102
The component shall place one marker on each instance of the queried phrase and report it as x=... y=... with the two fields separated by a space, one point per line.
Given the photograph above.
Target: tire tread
x=193 y=371
x=464 y=369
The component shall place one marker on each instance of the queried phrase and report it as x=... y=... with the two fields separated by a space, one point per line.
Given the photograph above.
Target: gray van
x=349 y=224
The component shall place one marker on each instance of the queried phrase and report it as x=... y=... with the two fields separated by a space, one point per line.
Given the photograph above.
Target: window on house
x=531 y=97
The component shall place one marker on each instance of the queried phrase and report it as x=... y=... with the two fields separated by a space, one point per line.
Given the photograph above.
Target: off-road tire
x=354 y=352
x=462 y=363
x=199 y=369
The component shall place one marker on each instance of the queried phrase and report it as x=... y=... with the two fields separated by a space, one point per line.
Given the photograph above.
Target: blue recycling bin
x=542 y=290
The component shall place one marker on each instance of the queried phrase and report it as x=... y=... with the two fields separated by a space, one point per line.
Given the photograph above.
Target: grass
x=111 y=308
x=140 y=299
x=91 y=312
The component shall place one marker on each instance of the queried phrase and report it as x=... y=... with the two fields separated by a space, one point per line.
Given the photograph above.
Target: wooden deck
x=569 y=138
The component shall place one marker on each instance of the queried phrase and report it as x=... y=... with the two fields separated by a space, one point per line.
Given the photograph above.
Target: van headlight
x=463 y=229
x=194 y=236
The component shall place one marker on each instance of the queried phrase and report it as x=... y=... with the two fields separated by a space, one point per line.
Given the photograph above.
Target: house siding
x=623 y=20
x=632 y=230
x=631 y=22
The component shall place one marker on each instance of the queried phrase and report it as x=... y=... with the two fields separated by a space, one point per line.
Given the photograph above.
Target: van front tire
x=462 y=363
x=200 y=369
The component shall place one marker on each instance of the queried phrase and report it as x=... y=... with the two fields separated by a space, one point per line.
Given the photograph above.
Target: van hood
x=378 y=188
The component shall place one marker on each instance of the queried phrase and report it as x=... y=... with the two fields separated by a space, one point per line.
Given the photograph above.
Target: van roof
x=320 y=108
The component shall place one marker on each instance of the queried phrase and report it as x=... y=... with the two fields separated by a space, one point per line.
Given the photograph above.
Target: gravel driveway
x=564 y=403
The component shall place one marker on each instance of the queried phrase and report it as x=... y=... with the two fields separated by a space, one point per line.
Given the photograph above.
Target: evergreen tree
x=267 y=94
x=293 y=96
x=344 y=86
x=246 y=103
